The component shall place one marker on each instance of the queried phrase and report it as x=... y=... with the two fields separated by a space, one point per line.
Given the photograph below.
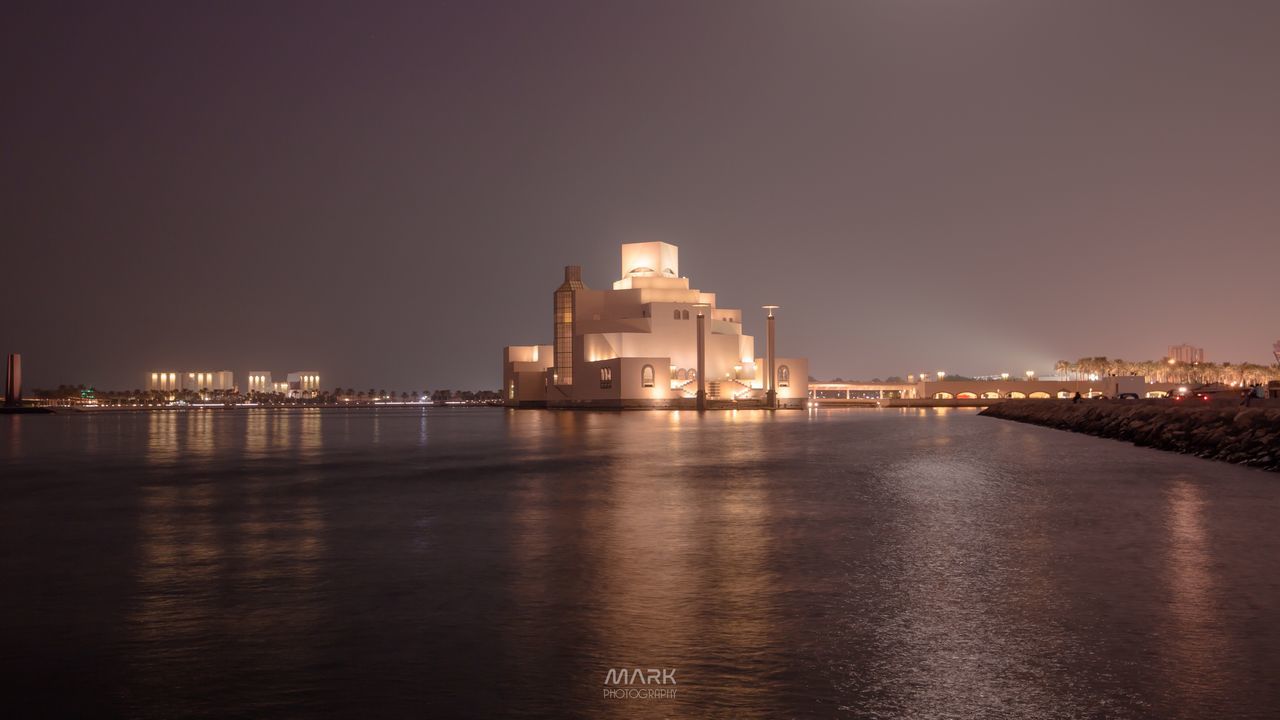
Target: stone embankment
x=1219 y=430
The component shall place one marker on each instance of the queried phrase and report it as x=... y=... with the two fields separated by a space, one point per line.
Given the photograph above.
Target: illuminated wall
x=259 y=381
x=164 y=380
x=304 y=383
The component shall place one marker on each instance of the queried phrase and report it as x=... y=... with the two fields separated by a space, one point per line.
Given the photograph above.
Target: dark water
x=488 y=563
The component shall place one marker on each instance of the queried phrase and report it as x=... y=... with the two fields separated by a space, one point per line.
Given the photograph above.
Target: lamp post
x=702 y=355
x=924 y=385
x=771 y=383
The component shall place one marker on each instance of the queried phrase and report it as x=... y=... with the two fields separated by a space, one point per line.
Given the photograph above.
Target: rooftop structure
x=650 y=341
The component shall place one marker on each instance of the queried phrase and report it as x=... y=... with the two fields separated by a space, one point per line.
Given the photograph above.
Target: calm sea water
x=487 y=563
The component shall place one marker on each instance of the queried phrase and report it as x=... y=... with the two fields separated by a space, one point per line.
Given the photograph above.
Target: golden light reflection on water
x=1195 y=641
x=162 y=437
x=669 y=514
x=210 y=546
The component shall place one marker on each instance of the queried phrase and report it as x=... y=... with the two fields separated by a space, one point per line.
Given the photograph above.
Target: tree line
x=1170 y=371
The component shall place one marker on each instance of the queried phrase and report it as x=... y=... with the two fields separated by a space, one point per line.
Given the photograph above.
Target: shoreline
x=1221 y=430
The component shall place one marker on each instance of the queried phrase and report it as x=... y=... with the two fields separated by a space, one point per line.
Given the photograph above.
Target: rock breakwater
x=1219 y=431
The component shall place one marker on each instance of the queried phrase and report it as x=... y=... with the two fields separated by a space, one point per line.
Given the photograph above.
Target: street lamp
x=1031 y=374
x=771 y=390
x=1004 y=376
x=941 y=375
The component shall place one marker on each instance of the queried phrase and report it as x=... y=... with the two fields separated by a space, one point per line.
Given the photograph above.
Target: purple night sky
x=387 y=192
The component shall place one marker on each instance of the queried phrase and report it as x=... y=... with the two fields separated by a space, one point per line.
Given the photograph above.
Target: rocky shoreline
x=1225 y=431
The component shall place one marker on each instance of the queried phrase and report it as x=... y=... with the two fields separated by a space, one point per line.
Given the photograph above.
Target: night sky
x=387 y=192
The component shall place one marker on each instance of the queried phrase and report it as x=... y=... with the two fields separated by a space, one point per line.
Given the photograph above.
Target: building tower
x=564 y=323
x=13 y=381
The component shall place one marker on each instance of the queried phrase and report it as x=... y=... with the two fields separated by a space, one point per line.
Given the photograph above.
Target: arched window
x=682 y=375
x=677 y=313
x=684 y=315
x=693 y=374
x=784 y=376
x=646 y=376
x=606 y=378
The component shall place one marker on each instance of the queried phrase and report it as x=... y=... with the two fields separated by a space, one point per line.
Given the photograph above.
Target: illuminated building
x=209 y=380
x=304 y=383
x=164 y=380
x=280 y=387
x=196 y=381
x=260 y=381
x=1186 y=353
x=636 y=345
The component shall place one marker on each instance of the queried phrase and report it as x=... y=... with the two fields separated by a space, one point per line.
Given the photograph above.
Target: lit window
x=606 y=378
x=784 y=376
x=684 y=315
x=646 y=376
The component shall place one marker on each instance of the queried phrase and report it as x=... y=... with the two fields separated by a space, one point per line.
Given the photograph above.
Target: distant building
x=259 y=381
x=209 y=380
x=280 y=387
x=1186 y=353
x=164 y=380
x=304 y=383
x=13 y=381
x=196 y=381
x=637 y=346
